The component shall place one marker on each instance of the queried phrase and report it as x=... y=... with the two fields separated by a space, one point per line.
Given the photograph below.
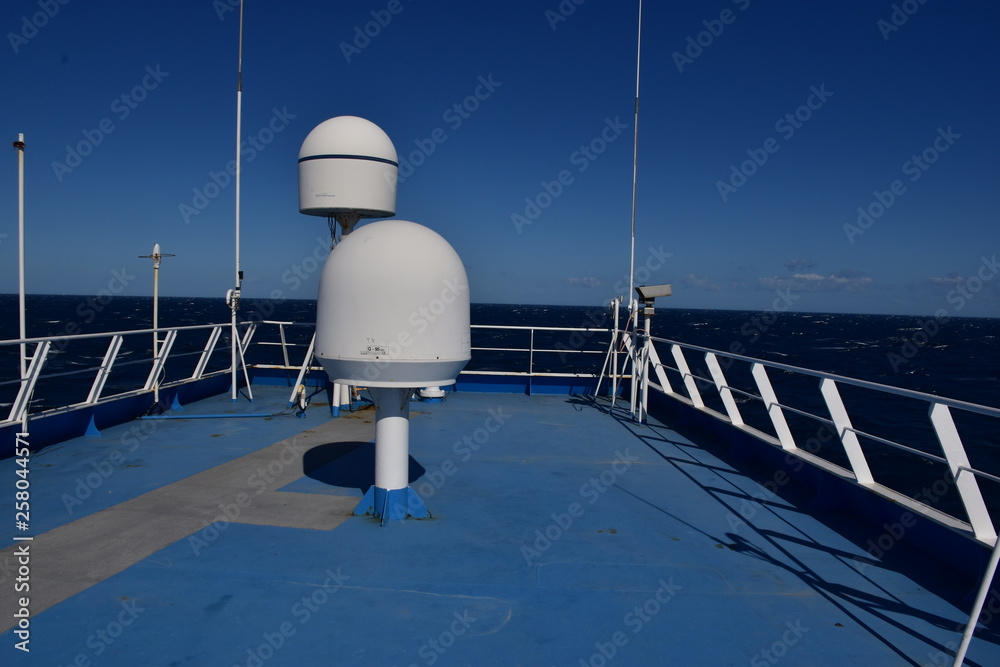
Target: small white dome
x=348 y=135
x=348 y=165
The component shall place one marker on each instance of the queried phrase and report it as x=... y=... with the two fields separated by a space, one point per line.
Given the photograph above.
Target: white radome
x=393 y=308
x=348 y=165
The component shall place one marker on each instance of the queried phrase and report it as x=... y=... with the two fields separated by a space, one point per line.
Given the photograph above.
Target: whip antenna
x=635 y=162
x=233 y=296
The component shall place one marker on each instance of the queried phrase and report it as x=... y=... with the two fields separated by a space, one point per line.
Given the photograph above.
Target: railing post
x=284 y=348
x=725 y=393
x=160 y=360
x=105 y=370
x=968 y=486
x=305 y=370
x=20 y=406
x=759 y=372
x=206 y=354
x=977 y=607
x=531 y=352
x=644 y=375
x=248 y=336
x=614 y=356
x=661 y=375
x=846 y=431
x=685 y=371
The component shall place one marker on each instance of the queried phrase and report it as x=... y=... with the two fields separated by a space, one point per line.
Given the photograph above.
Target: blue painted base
x=391 y=505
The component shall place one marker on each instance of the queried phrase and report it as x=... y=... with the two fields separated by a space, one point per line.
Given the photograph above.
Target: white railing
x=296 y=354
x=760 y=394
x=113 y=360
x=532 y=350
x=290 y=361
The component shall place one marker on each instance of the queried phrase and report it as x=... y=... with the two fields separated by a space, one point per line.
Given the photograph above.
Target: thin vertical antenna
x=19 y=145
x=635 y=162
x=234 y=302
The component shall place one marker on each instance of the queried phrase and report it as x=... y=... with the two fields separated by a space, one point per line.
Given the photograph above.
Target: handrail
x=20 y=408
x=979 y=523
x=866 y=384
x=104 y=334
x=531 y=350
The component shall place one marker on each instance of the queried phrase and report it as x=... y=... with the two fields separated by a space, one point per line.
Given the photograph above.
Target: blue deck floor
x=561 y=535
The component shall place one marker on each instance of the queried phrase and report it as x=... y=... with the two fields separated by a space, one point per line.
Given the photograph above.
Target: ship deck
x=562 y=533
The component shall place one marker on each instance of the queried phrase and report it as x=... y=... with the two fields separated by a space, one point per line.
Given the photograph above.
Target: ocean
x=952 y=357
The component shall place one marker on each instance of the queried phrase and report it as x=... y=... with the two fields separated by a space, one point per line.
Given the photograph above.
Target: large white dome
x=393 y=308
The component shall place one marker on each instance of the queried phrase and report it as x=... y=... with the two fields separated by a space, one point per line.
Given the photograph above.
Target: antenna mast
x=19 y=145
x=233 y=298
x=635 y=165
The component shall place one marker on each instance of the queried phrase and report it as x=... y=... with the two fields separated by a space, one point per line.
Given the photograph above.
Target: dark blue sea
x=952 y=357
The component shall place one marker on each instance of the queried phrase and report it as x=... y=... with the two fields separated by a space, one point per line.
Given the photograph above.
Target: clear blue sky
x=866 y=91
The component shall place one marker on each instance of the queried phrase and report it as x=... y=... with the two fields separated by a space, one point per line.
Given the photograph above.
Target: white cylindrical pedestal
x=392 y=437
x=390 y=497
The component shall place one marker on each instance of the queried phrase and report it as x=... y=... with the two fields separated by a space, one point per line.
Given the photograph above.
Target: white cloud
x=845 y=281
x=800 y=264
x=698 y=282
x=585 y=281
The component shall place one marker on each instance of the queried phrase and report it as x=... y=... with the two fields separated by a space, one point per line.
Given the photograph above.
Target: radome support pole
x=391 y=498
x=234 y=301
x=19 y=145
